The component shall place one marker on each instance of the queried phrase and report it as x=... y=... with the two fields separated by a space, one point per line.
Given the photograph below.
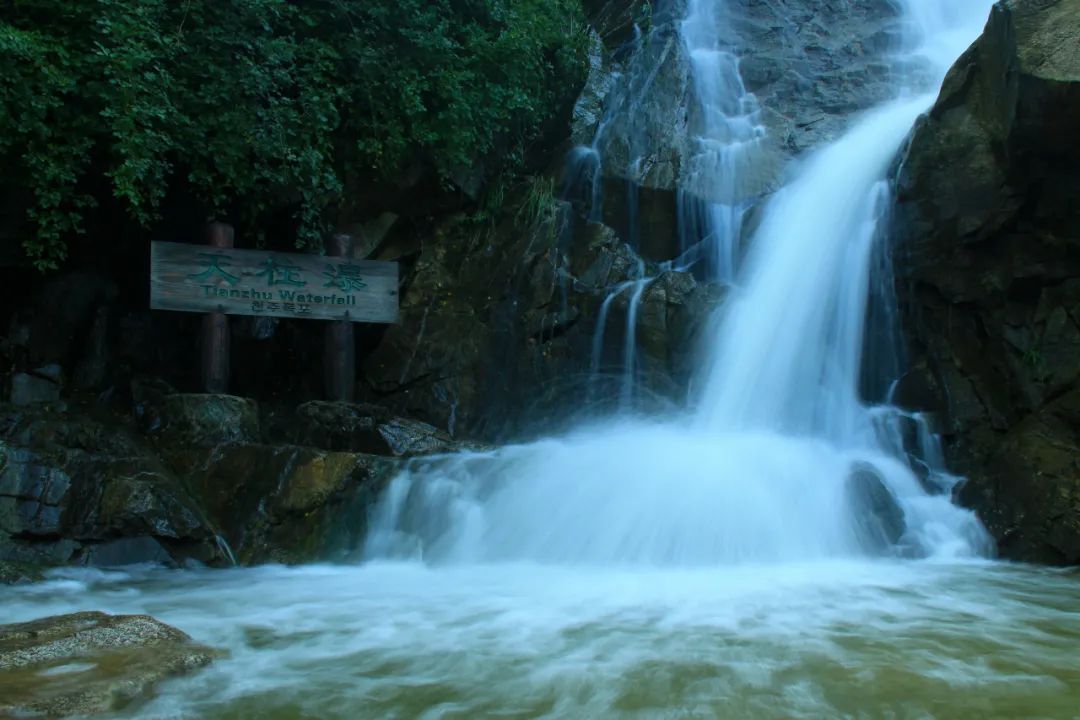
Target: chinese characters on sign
x=254 y=282
x=278 y=272
x=345 y=277
x=213 y=269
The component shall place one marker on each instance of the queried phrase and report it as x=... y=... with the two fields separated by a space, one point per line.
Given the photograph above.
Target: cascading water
x=721 y=178
x=633 y=289
x=781 y=459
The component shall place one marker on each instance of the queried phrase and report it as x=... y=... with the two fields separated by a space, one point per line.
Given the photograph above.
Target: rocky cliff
x=990 y=275
x=809 y=64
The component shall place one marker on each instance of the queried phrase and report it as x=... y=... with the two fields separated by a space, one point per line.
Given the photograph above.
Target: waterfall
x=718 y=184
x=780 y=459
x=629 y=367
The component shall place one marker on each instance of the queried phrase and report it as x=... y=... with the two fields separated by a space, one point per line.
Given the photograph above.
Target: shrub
x=259 y=105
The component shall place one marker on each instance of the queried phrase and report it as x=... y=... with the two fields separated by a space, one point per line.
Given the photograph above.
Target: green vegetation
x=1033 y=358
x=255 y=106
x=539 y=210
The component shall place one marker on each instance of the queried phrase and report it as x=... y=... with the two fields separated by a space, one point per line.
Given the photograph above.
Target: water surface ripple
x=835 y=639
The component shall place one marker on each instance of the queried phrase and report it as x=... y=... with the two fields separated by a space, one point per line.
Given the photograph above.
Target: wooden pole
x=339 y=359
x=215 y=326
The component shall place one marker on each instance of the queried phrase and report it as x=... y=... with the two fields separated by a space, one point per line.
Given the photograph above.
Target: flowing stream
x=779 y=550
x=837 y=639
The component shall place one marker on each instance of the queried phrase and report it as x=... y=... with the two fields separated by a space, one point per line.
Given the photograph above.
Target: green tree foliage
x=263 y=104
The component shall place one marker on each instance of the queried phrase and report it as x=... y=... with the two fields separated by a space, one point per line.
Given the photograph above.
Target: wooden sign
x=201 y=278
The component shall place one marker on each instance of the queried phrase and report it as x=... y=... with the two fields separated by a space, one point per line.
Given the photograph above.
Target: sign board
x=206 y=279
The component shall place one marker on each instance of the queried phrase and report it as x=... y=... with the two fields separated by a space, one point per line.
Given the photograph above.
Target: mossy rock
x=286 y=503
x=13 y=572
x=207 y=420
x=366 y=428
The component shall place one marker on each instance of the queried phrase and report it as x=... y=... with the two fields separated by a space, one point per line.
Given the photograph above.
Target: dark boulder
x=38 y=386
x=990 y=275
x=74 y=490
x=878 y=518
x=284 y=503
x=206 y=420
x=366 y=428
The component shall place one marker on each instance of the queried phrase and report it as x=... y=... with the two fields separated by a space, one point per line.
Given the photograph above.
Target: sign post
x=215 y=325
x=340 y=352
x=221 y=281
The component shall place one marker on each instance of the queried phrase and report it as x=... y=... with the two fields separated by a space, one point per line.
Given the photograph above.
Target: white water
x=404 y=642
x=761 y=471
x=721 y=175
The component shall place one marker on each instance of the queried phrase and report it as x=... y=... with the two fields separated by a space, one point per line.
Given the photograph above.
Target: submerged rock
x=90 y=663
x=879 y=519
x=989 y=275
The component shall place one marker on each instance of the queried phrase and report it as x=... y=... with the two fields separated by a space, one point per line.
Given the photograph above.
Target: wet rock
x=988 y=274
x=126 y=551
x=614 y=20
x=601 y=260
x=1027 y=491
x=589 y=108
x=75 y=491
x=497 y=332
x=206 y=420
x=143 y=503
x=13 y=572
x=879 y=519
x=286 y=503
x=31 y=493
x=645 y=138
x=70 y=487
x=90 y=663
x=646 y=218
x=366 y=428
x=40 y=386
x=809 y=64
x=148 y=402
x=671 y=318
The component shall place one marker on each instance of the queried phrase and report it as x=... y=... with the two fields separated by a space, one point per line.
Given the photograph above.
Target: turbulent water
x=713 y=565
x=822 y=640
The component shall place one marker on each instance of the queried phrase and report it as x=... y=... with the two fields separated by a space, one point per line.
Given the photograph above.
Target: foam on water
x=656 y=494
x=797 y=640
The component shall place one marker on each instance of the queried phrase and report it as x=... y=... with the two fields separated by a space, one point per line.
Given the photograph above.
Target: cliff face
x=809 y=64
x=990 y=275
